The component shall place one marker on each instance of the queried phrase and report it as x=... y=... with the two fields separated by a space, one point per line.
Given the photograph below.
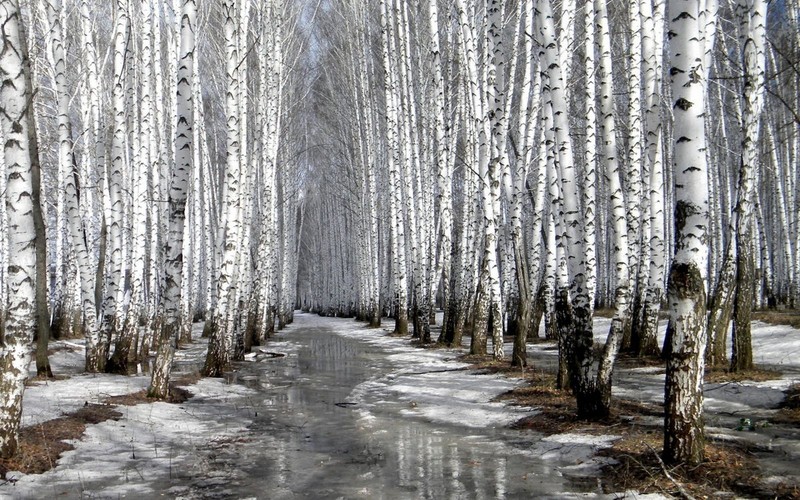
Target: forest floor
x=753 y=418
x=88 y=429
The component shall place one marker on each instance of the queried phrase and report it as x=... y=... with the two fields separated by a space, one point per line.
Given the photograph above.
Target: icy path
x=347 y=413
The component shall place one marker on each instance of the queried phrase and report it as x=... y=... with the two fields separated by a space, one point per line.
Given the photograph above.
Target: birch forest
x=521 y=166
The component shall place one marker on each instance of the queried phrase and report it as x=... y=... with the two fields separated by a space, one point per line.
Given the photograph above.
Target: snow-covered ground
x=424 y=384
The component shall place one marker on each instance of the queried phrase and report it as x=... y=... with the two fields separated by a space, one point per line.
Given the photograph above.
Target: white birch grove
x=490 y=165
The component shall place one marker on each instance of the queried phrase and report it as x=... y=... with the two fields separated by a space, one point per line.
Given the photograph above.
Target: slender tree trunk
x=24 y=238
x=173 y=267
x=72 y=190
x=753 y=17
x=112 y=304
x=683 y=424
x=395 y=198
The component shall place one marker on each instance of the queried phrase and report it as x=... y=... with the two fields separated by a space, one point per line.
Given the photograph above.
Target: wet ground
x=326 y=423
x=331 y=409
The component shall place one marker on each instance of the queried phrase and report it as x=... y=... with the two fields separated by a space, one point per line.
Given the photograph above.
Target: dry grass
x=625 y=360
x=725 y=470
x=487 y=364
x=793 y=397
x=41 y=445
x=779 y=317
x=39 y=379
x=720 y=375
x=177 y=395
x=557 y=412
x=187 y=379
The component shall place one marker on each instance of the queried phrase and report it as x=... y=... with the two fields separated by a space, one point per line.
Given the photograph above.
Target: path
x=347 y=413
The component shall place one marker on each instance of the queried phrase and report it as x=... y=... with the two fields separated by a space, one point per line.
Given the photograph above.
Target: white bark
x=220 y=343
x=393 y=159
x=72 y=193
x=178 y=191
x=683 y=430
x=112 y=307
x=16 y=120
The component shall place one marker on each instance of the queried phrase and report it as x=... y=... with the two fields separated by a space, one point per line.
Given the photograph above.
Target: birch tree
x=686 y=292
x=112 y=306
x=397 y=224
x=21 y=200
x=72 y=191
x=753 y=15
x=221 y=324
x=184 y=156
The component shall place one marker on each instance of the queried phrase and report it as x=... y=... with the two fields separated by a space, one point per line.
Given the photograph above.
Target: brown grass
x=719 y=375
x=793 y=397
x=487 y=364
x=39 y=379
x=177 y=395
x=726 y=469
x=625 y=360
x=41 y=445
x=186 y=379
x=789 y=317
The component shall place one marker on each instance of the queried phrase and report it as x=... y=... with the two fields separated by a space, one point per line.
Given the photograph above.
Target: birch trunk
x=574 y=308
x=21 y=200
x=72 y=191
x=112 y=306
x=754 y=18
x=395 y=198
x=184 y=156
x=221 y=332
x=683 y=396
x=619 y=220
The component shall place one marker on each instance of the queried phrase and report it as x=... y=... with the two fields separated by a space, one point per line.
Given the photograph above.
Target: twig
x=653 y=479
x=681 y=489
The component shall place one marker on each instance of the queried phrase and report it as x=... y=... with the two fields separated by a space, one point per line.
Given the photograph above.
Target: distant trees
x=513 y=113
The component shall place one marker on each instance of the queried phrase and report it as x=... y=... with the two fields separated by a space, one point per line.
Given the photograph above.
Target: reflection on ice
x=360 y=418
